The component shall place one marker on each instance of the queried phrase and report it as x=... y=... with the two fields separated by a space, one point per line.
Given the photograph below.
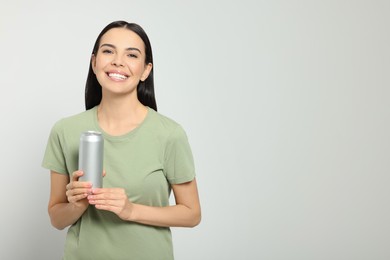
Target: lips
x=117 y=76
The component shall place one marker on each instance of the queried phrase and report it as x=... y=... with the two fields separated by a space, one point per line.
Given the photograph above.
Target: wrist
x=132 y=212
x=79 y=206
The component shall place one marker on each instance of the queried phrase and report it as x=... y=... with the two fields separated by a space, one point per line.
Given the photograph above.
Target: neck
x=120 y=115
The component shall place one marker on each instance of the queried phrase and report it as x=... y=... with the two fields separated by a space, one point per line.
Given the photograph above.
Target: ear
x=148 y=69
x=93 y=62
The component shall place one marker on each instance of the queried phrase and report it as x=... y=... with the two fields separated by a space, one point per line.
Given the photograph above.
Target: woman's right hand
x=77 y=191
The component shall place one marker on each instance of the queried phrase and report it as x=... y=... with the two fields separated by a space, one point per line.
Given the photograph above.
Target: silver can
x=91 y=158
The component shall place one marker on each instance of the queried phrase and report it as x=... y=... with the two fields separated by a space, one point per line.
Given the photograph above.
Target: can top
x=89 y=133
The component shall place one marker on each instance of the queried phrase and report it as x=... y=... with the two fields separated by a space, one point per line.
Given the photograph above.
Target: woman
x=146 y=155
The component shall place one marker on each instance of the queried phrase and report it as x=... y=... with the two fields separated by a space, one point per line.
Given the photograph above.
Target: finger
x=78 y=185
x=108 y=190
x=104 y=173
x=77 y=197
x=108 y=199
x=75 y=183
x=105 y=207
x=111 y=208
x=76 y=175
x=75 y=192
x=110 y=203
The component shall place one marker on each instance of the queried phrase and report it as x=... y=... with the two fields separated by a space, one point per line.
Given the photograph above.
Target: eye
x=132 y=55
x=107 y=51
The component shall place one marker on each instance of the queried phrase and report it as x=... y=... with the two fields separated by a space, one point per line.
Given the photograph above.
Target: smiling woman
x=120 y=59
x=146 y=156
x=136 y=35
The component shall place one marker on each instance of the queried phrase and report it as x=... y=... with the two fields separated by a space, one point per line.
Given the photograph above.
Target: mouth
x=117 y=76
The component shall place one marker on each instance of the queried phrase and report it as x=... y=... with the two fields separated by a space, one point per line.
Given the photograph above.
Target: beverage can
x=91 y=157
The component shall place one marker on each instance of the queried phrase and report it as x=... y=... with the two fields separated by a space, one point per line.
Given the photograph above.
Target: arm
x=186 y=212
x=67 y=199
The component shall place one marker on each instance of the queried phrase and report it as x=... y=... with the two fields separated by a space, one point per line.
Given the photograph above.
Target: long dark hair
x=145 y=89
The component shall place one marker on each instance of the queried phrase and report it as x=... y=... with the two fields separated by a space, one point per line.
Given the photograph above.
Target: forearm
x=171 y=216
x=186 y=212
x=65 y=214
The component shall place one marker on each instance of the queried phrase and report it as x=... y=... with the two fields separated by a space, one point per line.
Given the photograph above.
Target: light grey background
x=286 y=104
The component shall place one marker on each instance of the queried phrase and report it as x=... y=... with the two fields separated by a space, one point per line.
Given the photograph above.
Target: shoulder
x=164 y=126
x=74 y=121
x=163 y=120
x=168 y=127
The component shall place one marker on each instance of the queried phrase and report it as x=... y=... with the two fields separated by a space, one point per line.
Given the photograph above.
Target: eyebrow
x=113 y=46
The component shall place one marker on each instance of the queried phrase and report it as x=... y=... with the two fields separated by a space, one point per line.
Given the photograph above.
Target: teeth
x=117 y=76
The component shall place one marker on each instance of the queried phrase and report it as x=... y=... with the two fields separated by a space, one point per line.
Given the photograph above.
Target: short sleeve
x=178 y=159
x=54 y=157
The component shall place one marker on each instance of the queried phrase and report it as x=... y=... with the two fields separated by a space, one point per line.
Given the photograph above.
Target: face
x=119 y=63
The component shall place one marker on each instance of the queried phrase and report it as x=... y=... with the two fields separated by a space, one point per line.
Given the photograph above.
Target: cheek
x=101 y=62
x=137 y=68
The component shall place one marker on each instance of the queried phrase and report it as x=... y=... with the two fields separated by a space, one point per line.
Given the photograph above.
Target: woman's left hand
x=112 y=199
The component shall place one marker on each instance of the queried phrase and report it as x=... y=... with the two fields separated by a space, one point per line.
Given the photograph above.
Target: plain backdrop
x=286 y=105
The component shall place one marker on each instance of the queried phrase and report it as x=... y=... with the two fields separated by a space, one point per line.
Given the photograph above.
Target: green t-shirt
x=144 y=162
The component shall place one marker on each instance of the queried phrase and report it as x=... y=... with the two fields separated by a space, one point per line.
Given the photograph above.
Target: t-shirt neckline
x=125 y=136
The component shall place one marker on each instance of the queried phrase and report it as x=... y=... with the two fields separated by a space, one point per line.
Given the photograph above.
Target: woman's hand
x=68 y=198
x=77 y=191
x=112 y=199
x=186 y=212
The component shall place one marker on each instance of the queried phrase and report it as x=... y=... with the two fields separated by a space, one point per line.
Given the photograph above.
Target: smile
x=117 y=76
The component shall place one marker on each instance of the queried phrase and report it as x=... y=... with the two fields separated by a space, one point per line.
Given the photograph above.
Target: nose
x=117 y=61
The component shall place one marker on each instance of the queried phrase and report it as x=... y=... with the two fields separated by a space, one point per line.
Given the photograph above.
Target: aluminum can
x=91 y=158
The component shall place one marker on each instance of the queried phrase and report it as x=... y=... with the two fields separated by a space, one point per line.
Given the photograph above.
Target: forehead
x=122 y=38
